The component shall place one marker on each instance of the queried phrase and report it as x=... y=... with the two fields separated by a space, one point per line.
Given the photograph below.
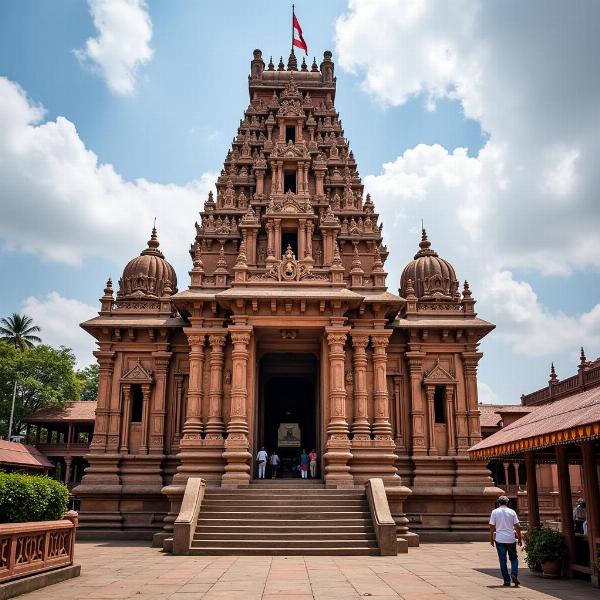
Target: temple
x=287 y=337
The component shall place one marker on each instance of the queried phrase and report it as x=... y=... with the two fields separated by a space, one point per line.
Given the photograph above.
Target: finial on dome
x=304 y=66
x=153 y=243
x=281 y=66
x=424 y=243
x=314 y=68
x=467 y=290
x=553 y=377
x=108 y=290
x=292 y=62
x=271 y=66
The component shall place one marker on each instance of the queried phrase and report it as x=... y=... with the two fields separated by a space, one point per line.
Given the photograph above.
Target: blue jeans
x=511 y=550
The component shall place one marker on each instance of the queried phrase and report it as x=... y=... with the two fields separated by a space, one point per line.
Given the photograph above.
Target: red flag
x=297 y=29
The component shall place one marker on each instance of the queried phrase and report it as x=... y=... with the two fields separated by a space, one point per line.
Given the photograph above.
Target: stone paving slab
x=465 y=571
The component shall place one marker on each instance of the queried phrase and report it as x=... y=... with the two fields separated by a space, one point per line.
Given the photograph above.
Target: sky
x=481 y=118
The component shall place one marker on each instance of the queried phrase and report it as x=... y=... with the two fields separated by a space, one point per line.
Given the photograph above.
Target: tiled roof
x=570 y=419
x=490 y=413
x=22 y=455
x=74 y=411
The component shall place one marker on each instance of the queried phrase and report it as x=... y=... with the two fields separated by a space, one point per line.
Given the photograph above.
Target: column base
x=336 y=458
x=373 y=458
x=237 y=469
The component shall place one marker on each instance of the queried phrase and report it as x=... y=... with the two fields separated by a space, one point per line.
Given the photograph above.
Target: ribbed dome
x=433 y=278
x=148 y=275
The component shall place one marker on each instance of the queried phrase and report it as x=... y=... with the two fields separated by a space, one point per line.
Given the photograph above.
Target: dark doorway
x=287 y=420
x=289 y=238
x=289 y=181
x=290 y=134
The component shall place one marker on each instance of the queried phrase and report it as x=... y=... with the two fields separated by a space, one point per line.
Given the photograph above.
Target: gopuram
x=287 y=337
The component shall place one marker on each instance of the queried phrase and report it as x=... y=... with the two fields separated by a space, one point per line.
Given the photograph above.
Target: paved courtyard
x=432 y=572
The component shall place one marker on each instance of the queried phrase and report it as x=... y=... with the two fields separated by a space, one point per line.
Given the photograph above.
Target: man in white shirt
x=505 y=533
x=261 y=457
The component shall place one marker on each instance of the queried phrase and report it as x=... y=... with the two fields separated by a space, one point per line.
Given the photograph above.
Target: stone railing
x=185 y=524
x=34 y=547
x=383 y=522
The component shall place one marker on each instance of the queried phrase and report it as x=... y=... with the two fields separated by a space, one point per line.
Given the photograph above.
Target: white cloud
x=123 y=42
x=59 y=202
x=485 y=393
x=59 y=320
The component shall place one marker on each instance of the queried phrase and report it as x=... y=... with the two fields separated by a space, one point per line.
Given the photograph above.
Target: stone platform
x=466 y=571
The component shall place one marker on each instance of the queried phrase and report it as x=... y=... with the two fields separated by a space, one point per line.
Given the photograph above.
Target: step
x=287 y=504
x=237 y=522
x=277 y=551
x=283 y=492
x=203 y=535
x=233 y=530
x=269 y=543
x=321 y=513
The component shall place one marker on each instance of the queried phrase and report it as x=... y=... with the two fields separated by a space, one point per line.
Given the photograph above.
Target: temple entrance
x=287 y=415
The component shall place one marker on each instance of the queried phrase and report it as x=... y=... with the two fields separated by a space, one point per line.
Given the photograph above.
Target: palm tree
x=19 y=330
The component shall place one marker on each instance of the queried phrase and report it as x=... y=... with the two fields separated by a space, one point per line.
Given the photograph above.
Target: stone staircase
x=284 y=516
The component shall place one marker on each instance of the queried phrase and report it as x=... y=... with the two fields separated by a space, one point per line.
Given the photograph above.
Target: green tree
x=88 y=382
x=45 y=377
x=19 y=331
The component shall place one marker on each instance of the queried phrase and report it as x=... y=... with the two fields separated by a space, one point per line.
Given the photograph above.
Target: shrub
x=543 y=544
x=31 y=498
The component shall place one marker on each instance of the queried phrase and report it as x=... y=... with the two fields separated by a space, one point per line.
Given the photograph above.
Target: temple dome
x=431 y=277
x=148 y=275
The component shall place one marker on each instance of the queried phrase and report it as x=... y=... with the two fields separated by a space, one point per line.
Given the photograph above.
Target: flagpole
x=293 y=27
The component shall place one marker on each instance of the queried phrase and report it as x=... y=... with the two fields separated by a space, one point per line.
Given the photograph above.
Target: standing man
x=579 y=516
x=313 y=463
x=505 y=533
x=261 y=457
x=274 y=460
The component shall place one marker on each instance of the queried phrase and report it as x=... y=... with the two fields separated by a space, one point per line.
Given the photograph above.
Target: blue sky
x=516 y=186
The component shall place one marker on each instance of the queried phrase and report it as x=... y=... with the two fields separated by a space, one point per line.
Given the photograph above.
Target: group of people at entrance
x=306 y=463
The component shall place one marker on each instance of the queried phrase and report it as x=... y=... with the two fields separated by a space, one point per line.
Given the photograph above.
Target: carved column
x=506 y=480
x=157 y=420
x=415 y=360
x=106 y=365
x=179 y=410
x=125 y=419
x=451 y=420
x=270 y=243
x=301 y=238
x=237 y=469
x=338 y=454
x=214 y=424
x=430 y=393
x=68 y=461
x=516 y=469
x=145 y=405
x=361 y=428
x=192 y=427
x=470 y=360
x=382 y=428
x=277 y=224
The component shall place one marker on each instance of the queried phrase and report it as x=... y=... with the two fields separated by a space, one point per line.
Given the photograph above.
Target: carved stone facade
x=288 y=261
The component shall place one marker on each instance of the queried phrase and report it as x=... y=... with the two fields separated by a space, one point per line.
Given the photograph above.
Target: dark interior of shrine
x=288 y=398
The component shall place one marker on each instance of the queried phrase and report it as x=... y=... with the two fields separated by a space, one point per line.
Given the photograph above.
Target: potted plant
x=545 y=548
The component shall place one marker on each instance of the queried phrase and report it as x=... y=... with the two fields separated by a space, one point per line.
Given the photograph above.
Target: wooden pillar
x=125 y=419
x=237 y=455
x=38 y=432
x=592 y=501
x=361 y=428
x=157 y=419
x=337 y=471
x=533 y=507
x=192 y=427
x=415 y=361
x=430 y=394
x=69 y=435
x=214 y=424
x=450 y=419
x=566 y=503
x=382 y=428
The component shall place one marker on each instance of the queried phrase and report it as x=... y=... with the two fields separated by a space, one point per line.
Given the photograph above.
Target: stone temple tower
x=287 y=337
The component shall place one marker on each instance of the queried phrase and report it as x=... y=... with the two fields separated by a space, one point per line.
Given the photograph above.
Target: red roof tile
x=74 y=411
x=22 y=455
x=490 y=414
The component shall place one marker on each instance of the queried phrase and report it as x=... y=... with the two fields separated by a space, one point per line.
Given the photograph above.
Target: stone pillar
x=566 y=502
x=450 y=418
x=158 y=413
x=309 y=239
x=430 y=394
x=301 y=238
x=237 y=455
x=516 y=469
x=214 y=424
x=415 y=361
x=106 y=365
x=470 y=361
x=68 y=461
x=506 y=480
x=382 y=428
x=145 y=417
x=533 y=506
x=270 y=244
x=361 y=428
x=337 y=471
x=179 y=410
x=277 y=224
x=125 y=418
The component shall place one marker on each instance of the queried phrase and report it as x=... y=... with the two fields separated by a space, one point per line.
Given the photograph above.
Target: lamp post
x=12 y=410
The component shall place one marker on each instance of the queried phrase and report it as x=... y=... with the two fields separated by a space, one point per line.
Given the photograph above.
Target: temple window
x=137 y=403
x=289 y=237
x=289 y=181
x=439 y=398
x=290 y=134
